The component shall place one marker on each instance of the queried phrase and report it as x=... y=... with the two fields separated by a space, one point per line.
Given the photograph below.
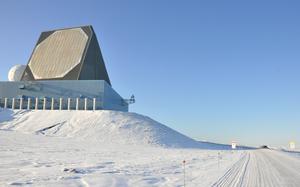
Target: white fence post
x=52 y=103
x=28 y=103
x=69 y=101
x=5 y=102
x=94 y=104
x=13 y=103
x=36 y=103
x=21 y=103
x=44 y=104
x=77 y=103
x=85 y=103
x=60 y=103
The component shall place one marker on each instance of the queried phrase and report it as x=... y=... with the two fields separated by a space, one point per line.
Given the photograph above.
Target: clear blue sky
x=213 y=70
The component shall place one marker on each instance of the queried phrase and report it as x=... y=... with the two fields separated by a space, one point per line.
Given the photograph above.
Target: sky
x=218 y=71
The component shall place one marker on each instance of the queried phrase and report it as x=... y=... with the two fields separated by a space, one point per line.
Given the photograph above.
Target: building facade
x=65 y=71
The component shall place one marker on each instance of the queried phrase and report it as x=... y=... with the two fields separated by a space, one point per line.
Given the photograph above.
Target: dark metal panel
x=27 y=75
x=94 y=60
x=43 y=36
x=73 y=74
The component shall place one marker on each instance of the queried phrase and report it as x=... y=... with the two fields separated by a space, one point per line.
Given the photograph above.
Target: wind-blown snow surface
x=103 y=148
x=108 y=127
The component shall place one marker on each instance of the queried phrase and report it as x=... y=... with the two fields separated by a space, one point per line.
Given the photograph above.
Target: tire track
x=234 y=176
x=262 y=168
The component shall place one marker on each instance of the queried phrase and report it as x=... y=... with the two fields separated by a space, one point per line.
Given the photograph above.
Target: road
x=263 y=168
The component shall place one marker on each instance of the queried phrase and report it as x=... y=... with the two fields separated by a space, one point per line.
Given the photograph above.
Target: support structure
x=52 y=103
x=69 y=103
x=85 y=103
x=5 y=102
x=77 y=103
x=28 y=103
x=60 y=103
x=21 y=103
x=13 y=104
x=36 y=103
x=44 y=103
x=94 y=104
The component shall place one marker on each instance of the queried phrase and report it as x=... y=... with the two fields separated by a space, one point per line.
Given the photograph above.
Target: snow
x=293 y=153
x=263 y=167
x=103 y=148
x=41 y=160
x=109 y=127
x=110 y=148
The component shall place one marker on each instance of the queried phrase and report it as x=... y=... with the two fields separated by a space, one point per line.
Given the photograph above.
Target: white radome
x=15 y=73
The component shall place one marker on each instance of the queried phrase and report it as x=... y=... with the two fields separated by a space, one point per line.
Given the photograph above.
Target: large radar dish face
x=67 y=54
x=58 y=54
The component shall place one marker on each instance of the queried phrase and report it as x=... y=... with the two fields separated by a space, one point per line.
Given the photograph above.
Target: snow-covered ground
x=104 y=148
x=293 y=153
x=102 y=127
x=264 y=168
x=55 y=161
x=109 y=148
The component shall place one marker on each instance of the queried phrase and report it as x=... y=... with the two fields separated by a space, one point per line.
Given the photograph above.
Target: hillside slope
x=109 y=127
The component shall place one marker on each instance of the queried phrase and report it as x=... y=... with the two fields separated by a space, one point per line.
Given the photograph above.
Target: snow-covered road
x=263 y=167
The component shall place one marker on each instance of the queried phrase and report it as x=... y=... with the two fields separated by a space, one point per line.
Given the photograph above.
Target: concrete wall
x=112 y=100
x=106 y=97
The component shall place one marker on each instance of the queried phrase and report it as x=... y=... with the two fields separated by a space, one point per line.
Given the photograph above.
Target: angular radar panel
x=67 y=54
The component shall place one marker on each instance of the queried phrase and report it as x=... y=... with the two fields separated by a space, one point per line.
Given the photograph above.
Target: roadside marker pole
x=218 y=160
x=183 y=173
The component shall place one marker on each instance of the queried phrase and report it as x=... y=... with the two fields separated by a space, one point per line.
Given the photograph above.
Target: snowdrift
x=101 y=127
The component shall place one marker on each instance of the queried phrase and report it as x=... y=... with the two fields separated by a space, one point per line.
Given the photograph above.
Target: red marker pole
x=183 y=173
x=219 y=155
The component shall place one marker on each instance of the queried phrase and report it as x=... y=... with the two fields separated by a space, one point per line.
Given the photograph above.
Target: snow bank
x=105 y=127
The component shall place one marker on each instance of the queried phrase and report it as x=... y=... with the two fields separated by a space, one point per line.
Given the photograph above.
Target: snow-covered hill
x=109 y=127
x=108 y=148
x=103 y=148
